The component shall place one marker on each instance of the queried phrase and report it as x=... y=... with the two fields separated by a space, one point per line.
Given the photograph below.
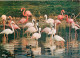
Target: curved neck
x=39 y=31
x=27 y=19
x=23 y=12
x=61 y=12
x=46 y=17
x=12 y=28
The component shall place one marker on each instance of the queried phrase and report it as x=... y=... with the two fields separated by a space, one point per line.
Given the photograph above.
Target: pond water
x=72 y=50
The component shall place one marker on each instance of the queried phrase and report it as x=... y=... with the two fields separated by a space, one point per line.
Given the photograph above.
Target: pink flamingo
x=23 y=20
x=60 y=17
x=57 y=22
x=4 y=18
x=14 y=26
x=27 y=13
x=70 y=21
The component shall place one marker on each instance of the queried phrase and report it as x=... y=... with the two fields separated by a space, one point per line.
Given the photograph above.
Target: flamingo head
x=22 y=9
x=63 y=11
x=45 y=15
x=66 y=15
x=3 y=17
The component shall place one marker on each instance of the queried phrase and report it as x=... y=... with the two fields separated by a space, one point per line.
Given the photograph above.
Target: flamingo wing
x=36 y=35
x=58 y=38
x=6 y=31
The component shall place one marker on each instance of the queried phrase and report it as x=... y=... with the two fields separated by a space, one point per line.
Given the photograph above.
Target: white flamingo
x=36 y=36
x=8 y=31
x=30 y=24
x=76 y=27
x=50 y=20
x=57 y=37
x=46 y=30
x=32 y=29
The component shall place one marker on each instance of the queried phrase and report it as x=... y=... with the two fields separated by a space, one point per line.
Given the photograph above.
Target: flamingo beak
x=64 y=11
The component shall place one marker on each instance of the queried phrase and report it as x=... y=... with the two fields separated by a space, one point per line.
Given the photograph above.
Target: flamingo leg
x=17 y=34
x=7 y=38
x=75 y=35
x=67 y=46
x=37 y=43
x=69 y=31
x=23 y=31
x=14 y=35
x=4 y=40
x=27 y=34
x=62 y=44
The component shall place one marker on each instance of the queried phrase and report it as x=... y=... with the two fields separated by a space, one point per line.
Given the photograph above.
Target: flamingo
x=50 y=20
x=75 y=26
x=32 y=29
x=57 y=37
x=46 y=30
x=27 y=13
x=30 y=24
x=59 y=40
x=14 y=26
x=57 y=22
x=8 y=31
x=70 y=21
x=4 y=18
x=60 y=17
x=36 y=36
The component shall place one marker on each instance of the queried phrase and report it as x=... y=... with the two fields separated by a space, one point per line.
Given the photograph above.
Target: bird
x=14 y=26
x=4 y=19
x=46 y=30
x=57 y=22
x=60 y=17
x=26 y=13
x=56 y=37
x=8 y=31
x=32 y=29
x=50 y=20
x=59 y=40
x=23 y=20
x=30 y=24
x=36 y=36
x=69 y=20
x=76 y=27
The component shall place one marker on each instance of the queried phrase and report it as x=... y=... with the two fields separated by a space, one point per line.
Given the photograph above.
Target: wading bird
x=60 y=17
x=8 y=31
x=36 y=36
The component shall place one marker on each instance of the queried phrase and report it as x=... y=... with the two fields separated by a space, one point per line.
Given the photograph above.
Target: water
x=72 y=50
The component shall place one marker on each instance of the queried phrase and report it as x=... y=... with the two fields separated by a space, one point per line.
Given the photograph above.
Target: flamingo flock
x=35 y=30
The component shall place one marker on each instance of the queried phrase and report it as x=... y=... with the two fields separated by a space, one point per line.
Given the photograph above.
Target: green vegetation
x=38 y=8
